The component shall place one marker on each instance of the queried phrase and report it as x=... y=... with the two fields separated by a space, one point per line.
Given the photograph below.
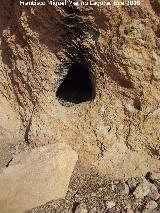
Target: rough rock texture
x=143 y=189
x=120 y=46
x=36 y=177
x=117 y=132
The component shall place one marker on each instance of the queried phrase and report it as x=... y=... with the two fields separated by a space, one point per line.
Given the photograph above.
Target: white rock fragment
x=36 y=177
x=151 y=205
x=157 y=184
x=133 y=182
x=110 y=204
x=142 y=190
x=154 y=194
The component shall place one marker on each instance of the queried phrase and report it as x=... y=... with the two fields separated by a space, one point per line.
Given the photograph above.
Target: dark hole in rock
x=78 y=85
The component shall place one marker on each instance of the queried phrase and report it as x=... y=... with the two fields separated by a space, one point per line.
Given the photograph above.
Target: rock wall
x=117 y=132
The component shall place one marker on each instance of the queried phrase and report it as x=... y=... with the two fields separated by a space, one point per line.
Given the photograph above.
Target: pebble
x=151 y=205
x=110 y=204
x=155 y=177
x=133 y=182
x=154 y=194
x=123 y=189
x=112 y=186
x=157 y=184
x=142 y=190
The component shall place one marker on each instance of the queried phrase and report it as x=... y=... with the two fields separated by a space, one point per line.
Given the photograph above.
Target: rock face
x=86 y=76
x=36 y=177
x=114 y=124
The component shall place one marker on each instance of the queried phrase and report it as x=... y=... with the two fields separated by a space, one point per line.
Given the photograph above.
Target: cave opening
x=78 y=85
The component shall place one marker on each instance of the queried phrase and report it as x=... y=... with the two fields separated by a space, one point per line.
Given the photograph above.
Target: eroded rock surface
x=120 y=48
x=114 y=123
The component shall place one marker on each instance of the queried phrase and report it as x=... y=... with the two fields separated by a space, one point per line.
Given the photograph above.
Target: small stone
x=112 y=186
x=133 y=182
x=142 y=190
x=151 y=205
x=110 y=204
x=155 y=177
x=123 y=189
x=157 y=184
x=154 y=194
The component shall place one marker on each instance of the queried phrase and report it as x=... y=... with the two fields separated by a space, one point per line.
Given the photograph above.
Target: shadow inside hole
x=78 y=85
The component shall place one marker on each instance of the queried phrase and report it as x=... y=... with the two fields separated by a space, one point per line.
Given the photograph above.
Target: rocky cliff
x=87 y=77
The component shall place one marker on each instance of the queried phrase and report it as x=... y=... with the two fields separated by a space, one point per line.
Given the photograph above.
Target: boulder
x=36 y=177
